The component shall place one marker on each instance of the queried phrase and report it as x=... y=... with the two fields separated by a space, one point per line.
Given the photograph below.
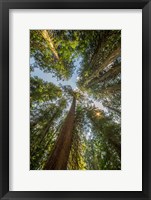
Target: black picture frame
x=5 y=5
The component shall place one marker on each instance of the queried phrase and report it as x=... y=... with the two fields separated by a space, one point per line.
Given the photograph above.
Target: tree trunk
x=43 y=133
x=113 y=55
x=114 y=109
x=49 y=42
x=109 y=75
x=116 y=146
x=60 y=154
x=111 y=89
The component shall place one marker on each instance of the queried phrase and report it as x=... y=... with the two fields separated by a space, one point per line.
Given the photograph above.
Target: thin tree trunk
x=60 y=154
x=116 y=146
x=112 y=73
x=114 y=109
x=108 y=60
x=49 y=42
x=111 y=89
x=44 y=132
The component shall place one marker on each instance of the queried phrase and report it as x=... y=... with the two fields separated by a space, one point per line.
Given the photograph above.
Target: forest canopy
x=75 y=99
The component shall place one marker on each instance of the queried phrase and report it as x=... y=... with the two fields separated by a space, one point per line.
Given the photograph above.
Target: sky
x=49 y=77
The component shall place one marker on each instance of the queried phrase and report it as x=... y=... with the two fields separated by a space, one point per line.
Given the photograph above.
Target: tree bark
x=50 y=42
x=43 y=133
x=116 y=146
x=112 y=73
x=108 y=60
x=111 y=89
x=114 y=109
x=60 y=154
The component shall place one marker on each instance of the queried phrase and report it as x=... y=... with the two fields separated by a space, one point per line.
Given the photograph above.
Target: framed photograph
x=75 y=99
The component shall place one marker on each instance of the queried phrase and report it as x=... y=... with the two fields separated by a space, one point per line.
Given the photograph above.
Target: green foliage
x=45 y=124
x=42 y=91
x=44 y=56
x=96 y=136
x=106 y=141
